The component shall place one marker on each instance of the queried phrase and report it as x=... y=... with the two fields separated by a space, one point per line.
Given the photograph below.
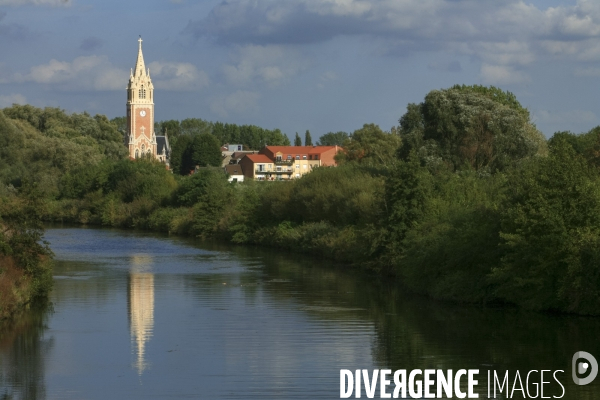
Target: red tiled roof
x=293 y=150
x=259 y=158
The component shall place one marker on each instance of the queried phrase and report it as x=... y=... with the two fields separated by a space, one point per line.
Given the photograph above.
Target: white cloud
x=268 y=64
x=501 y=74
x=9 y=100
x=54 y=3
x=83 y=73
x=177 y=76
x=499 y=33
x=238 y=102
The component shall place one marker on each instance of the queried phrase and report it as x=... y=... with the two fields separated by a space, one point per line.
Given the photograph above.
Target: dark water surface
x=141 y=316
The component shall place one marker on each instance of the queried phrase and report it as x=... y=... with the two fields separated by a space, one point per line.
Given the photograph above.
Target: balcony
x=283 y=162
x=283 y=171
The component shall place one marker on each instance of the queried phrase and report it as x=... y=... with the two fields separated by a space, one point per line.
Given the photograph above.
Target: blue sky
x=323 y=65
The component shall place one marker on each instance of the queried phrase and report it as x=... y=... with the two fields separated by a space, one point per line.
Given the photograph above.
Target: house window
x=297 y=157
x=278 y=169
x=297 y=166
x=304 y=157
x=305 y=166
x=316 y=157
x=278 y=158
x=261 y=167
x=289 y=157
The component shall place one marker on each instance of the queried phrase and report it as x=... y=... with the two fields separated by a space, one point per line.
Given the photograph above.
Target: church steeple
x=141 y=138
x=140 y=67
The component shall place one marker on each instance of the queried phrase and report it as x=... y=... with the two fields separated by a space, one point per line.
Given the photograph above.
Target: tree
x=206 y=150
x=297 y=140
x=170 y=128
x=120 y=123
x=307 y=138
x=181 y=155
x=482 y=127
x=333 y=139
x=551 y=234
x=195 y=126
x=370 y=146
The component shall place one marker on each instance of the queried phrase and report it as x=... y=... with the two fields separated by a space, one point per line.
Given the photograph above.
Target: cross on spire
x=140 y=68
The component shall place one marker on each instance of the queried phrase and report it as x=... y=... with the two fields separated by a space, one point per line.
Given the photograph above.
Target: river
x=143 y=316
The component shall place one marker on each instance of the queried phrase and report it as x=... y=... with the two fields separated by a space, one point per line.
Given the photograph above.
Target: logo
x=581 y=368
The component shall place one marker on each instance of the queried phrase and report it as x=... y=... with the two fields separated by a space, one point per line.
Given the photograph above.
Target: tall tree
x=370 y=146
x=171 y=128
x=307 y=138
x=181 y=155
x=206 y=150
x=332 y=139
x=297 y=140
x=481 y=127
x=195 y=126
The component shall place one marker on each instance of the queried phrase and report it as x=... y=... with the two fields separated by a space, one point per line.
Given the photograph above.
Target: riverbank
x=25 y=259
x=19 y=289
x=495 y=214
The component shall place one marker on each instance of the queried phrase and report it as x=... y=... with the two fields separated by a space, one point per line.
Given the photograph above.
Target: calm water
x=138 y=316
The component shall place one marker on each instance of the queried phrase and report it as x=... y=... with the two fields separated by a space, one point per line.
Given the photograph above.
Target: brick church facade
x=141 y=138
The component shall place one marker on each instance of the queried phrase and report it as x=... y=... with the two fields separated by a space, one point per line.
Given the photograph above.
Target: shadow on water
x=414 y=332
x=23 y=349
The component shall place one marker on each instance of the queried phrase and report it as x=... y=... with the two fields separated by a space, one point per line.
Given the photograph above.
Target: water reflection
x=140 y=308
x=23 y=350
x=220 y=322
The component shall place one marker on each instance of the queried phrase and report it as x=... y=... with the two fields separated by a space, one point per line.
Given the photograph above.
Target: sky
x=321 y=65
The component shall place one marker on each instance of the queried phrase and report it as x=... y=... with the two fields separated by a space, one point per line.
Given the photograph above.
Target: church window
x=137 y=153
x=143 y=148
x=142 y=93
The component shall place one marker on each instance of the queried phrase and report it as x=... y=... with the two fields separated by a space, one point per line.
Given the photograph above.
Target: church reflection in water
x=141 y=309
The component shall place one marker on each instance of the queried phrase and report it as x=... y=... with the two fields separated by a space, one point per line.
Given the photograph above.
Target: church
x=140 y=137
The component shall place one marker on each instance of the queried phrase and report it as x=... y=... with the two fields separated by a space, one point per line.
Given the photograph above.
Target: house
x=257 y=166
x=235 y=173
x=287 y=162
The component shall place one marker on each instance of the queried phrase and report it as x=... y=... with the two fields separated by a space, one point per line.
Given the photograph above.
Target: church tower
x=141 y=138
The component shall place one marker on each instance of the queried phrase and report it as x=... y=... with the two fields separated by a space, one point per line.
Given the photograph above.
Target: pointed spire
x=140 y=68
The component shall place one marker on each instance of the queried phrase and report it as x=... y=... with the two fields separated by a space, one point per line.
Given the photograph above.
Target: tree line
x=464 y=200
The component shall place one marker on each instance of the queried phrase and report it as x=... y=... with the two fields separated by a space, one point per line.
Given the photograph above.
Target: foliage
x=370 y=146
x=206 y=150
x=462 y=202
x=550 y=232
x=307 y=138
x=41 y=145
x=297 y=140
x=586 y=144
x=25 y=259
x=333 y=139
x=181 y=155
x=474 y=126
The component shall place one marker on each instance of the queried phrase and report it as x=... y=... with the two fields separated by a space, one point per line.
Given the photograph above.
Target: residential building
x=287 y=162
x=235 y=173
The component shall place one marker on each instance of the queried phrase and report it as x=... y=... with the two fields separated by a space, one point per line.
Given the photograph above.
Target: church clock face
x=143 y=113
